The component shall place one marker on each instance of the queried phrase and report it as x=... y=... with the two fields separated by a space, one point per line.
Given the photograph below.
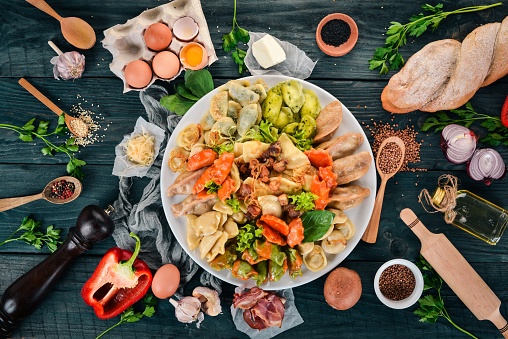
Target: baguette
x=445 y=74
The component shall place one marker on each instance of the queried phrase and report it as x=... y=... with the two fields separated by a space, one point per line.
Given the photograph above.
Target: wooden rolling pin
x=25 y=294
x=457 y=273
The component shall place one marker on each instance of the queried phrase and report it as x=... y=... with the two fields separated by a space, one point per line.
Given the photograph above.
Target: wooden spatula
x=457 y=273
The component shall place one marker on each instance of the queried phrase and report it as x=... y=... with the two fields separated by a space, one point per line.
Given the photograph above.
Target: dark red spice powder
x=335 y=32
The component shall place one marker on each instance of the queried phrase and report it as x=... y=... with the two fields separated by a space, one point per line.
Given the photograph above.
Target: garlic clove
x=187 y=310
x=69 y=65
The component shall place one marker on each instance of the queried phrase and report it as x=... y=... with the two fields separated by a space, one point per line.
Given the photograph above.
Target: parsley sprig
x=131 y=316
x=231 y=40
x=388 y=57
x=466 y=116
x=40 y=130
x=33 y=235
x=432 y=306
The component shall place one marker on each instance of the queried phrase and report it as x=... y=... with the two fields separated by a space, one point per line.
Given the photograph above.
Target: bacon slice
x=248 y=299
x=262 y=309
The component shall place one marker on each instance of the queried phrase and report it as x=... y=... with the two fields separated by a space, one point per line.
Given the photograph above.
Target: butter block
x=268 y=52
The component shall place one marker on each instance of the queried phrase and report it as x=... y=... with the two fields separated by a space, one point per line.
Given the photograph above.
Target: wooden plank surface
x=23 y=170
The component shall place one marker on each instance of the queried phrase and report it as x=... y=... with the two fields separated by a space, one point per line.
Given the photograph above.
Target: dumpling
x=242 y=95
x=233 y=109
x=286 y=185
x=246 y=151
x=247 y=118
x=340 y=216
x=231 y=228
x=328 y=121
x=194 y=205
x=270 y=205
x=223 y=208
x=315 y=260
x=347 y=228
x=218 y=248
x=226 y=126
x=351 y=167
x=349 y=196
x=219 y=105
x=184 y=183
x=207 y=121
x=235 y=175
x=342 y=146
x=260 y=90
x=197 y=148
x=207 y=243
x=208 y=223
x=292 y=93
x=295 y=158
x=260 y=188
x=189 y=136
x=192 y=239
x=334 y=243
x=178 y=159
x=305 y=247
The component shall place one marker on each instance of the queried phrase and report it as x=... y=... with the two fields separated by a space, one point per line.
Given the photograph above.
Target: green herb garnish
x=212 y=187
x=315 y=224
x=388 y=57
x=231 y=40
x=304 y=201
x=131 y=316
x=497 y=133
x=247 y=234
x=268 y=132
x=227 y=147
x=32 y=235
x=234 y=204
x=32 y=130
x=197 y=85
x=432 y=306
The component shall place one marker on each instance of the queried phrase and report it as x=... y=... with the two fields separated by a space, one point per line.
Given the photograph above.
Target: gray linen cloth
x=146 y=217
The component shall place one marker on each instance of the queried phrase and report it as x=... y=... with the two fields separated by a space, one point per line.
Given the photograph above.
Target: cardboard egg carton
x=125 y=41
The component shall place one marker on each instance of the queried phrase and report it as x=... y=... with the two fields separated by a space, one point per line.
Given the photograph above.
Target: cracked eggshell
x=125 y=41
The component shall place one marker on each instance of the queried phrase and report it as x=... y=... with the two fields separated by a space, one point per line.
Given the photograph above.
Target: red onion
x=458 y=143
x=486 y=164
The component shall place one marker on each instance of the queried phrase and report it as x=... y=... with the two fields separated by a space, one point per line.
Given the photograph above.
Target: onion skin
x=458 y=143
x=486 y=164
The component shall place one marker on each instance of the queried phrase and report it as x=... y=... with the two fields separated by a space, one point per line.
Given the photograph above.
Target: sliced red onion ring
x=458 y=143
x=486 y=164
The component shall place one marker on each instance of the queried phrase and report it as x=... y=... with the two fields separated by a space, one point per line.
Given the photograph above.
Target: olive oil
x=476 y=215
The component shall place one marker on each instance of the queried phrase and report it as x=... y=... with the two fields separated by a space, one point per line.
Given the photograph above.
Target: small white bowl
x=417 y=292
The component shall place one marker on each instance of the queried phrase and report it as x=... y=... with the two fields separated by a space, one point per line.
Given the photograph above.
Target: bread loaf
x=445 y=74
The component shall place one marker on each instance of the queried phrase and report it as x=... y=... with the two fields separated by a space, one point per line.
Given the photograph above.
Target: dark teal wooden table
x=24 y=170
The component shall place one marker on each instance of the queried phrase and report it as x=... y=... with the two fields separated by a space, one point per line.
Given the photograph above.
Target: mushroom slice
x=305 y=247
x=208 y=223
x=316 y=259
x=328 y=121
x=210 y=302
x=347 y=229
x=334 y=243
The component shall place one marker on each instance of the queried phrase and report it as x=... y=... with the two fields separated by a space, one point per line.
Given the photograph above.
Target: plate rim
x=367 y=203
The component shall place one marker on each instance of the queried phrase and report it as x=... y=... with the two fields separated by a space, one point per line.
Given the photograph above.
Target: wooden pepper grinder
x=24 y=295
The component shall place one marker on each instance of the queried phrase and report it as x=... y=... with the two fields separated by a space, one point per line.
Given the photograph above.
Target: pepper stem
x=130 y=262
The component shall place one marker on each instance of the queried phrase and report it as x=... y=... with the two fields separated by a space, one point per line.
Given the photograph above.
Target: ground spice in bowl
x=397 y=282
x=335 y=32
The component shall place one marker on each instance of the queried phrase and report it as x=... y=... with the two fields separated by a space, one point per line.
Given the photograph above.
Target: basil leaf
x=184 y=92
x=315 y=224
x=199 y=82
x=176 y=103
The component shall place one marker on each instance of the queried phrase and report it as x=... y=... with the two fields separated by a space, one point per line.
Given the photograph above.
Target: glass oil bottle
x=476 y=215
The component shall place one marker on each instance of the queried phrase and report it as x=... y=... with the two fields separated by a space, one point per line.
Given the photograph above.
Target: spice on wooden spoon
x=76 y=126
x=58 y=191
x=389 y=159
x=75 y=30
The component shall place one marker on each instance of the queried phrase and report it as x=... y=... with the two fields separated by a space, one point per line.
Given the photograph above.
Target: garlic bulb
x=68 y=65
x=187 y=310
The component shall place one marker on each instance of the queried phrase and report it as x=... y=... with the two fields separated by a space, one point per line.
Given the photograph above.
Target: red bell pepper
x=118 y=282
x=504 y=113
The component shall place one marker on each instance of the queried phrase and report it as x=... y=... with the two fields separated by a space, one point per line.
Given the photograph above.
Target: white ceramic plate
x=359 y=215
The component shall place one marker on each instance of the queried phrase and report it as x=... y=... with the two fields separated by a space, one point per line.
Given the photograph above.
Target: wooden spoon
x=83 y=129
x=8 y=203
x=370 y=234
x=75 y=30
x=457 y=273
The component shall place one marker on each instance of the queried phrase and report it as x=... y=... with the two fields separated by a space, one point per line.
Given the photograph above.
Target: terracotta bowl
x=345 y=47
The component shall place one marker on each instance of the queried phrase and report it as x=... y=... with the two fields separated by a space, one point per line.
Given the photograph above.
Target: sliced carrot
x=201 y=159
x=319 y=157
x=295 y=235
x=320 y=189
x=276 y=223
x=273 y=236
x=227 y=188
x=327 y=174
x=217 y=172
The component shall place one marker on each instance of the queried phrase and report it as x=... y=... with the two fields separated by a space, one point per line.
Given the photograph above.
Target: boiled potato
x=311 y=105
x=292 y=93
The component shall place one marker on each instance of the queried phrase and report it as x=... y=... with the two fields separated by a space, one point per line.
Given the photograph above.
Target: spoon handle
x=41 y=97
x=370 y=234
x=8 y=203
x=43 y=6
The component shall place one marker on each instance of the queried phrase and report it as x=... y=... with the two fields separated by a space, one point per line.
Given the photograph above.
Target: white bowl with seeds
x=398 y=283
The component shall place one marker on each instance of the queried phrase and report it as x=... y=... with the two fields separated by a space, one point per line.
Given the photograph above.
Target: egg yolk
x=194 y=56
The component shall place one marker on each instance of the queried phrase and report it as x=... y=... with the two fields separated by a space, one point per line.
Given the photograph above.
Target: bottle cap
x=438 y=196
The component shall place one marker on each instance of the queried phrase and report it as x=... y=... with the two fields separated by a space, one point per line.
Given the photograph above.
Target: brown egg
x=166 y=64
x=158 y=36
x=138 y=74
x=166 y=281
